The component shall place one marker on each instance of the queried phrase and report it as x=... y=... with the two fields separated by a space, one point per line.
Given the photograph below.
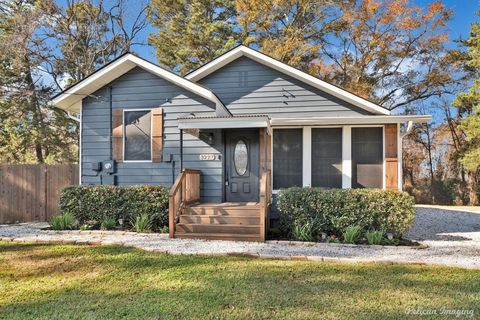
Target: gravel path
x=451 y=238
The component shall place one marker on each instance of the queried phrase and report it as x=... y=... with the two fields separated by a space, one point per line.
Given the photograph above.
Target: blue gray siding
x=248 y=87
x=141 y=89
x=245 y=86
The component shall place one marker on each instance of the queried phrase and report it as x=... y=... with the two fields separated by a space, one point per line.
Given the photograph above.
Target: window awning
x=235 y=122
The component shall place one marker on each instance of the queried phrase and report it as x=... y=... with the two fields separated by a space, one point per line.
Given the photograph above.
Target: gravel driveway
x=452 y=238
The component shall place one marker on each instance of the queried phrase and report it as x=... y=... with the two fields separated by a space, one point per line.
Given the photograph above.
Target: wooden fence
x=30 y=192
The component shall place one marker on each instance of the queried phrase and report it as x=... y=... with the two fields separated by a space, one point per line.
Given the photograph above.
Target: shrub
x=96 y=203
x=303 y=232
x=374 y=237
x=108 y=223
x=142 y=223
x=63 y=222
x=352 y=234
x=334 y=210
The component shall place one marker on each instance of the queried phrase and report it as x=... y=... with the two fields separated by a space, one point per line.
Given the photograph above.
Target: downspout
x=110 y=133
x=181 y=150
x=73 y=117
x=407 y=131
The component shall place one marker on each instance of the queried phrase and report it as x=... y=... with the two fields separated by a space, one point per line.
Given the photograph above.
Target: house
x=228 y=136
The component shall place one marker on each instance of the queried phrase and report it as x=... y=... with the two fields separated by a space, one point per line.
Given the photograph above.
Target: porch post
x=181 y=150
x=347 y=157
x=265 y=150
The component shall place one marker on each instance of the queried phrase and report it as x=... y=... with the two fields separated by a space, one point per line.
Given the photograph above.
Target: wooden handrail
x=185 y=190
x=265 y=202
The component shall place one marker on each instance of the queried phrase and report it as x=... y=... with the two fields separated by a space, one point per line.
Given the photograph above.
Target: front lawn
x=78 y=282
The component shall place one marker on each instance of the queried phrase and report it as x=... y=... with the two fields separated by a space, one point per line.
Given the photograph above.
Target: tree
x=390 y=52
x=43 y=48
x=30 y=129
x=192 y=33
x=89 y=35
x=468 y=105
x=291 y=31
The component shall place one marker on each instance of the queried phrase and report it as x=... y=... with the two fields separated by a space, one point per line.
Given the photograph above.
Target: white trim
x=284 y=68
x=357 y=120
x=399 y=158
x=222 y=123
x=307 y=157
x=68 y=100
x=124 y=134
x=346 y=157
x=384 y=174
x=80 y=123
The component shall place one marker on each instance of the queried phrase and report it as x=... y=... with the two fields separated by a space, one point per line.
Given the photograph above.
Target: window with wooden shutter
x=157 y=134
x=117 y=128
x=137 y=135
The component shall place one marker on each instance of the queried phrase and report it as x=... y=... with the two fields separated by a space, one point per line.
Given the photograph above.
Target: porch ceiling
x=235 y=122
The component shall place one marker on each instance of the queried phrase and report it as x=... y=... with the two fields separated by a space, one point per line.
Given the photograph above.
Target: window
x=367 y=157
x=287 y=155
x=137 y=126
x=240 y=157
x=327 y=157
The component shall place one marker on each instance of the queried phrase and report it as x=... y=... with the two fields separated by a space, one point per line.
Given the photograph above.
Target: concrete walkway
x=450 y=238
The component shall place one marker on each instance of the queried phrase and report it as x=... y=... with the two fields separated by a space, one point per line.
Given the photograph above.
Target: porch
x=239 y=221
x=246 y=193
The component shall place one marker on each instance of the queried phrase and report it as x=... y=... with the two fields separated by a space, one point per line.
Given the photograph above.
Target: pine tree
x=192 y=33
x=468 y=104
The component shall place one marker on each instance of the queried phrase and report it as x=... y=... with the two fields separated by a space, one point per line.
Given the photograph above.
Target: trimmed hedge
x=96 y=203
x=333 y=210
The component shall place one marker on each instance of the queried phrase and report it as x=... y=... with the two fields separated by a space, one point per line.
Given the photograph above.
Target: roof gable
x=241 y=51
x=70 y=99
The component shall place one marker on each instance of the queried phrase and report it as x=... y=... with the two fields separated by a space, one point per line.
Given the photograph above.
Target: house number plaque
x=209 y=157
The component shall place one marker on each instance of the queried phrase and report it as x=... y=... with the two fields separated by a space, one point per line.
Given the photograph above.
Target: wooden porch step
x=220 y=219
x=218 y=236
x=233 y=210
x=217 y=228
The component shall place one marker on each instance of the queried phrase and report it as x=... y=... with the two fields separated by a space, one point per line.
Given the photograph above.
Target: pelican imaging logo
x=457 y=313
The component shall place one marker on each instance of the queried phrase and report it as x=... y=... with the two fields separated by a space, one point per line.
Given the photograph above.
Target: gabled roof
x=243 y=51
x=70 y=99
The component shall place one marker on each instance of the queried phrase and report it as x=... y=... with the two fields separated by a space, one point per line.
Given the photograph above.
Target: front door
x=242 y=165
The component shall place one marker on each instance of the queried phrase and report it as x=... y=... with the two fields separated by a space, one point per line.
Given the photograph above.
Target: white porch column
x=347 y=157
x=307 y=157
x=400 y=158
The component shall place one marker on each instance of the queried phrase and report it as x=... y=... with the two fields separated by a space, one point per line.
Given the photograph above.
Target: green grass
x=39 y=281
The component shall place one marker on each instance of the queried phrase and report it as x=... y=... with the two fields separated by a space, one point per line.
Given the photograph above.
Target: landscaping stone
x=440 y=244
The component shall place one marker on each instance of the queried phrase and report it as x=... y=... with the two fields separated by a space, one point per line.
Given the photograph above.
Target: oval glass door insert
x=240 y=157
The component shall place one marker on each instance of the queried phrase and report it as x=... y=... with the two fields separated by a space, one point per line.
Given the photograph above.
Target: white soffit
x=361 y=120
x=240 y=51
x=221 y=123
x=69 y=99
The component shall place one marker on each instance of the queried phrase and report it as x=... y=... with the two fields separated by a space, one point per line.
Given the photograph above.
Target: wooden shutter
x=391 y=156
x=117 y=128
x=157 y=134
